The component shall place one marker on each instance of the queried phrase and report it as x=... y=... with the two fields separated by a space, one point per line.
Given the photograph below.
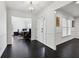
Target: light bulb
x=31 y=8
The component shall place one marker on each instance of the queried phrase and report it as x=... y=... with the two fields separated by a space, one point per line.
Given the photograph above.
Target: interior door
x=43 y=30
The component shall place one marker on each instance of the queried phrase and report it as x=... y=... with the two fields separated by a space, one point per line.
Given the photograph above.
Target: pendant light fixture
x=31 y=6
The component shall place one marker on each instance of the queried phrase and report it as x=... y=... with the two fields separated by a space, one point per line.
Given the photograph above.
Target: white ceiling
x=72 y=9
x=24 y=5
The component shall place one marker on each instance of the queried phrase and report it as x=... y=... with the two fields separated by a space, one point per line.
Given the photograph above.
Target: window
x=66 y=27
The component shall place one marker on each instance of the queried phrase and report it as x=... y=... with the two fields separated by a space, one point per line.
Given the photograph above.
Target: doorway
x=21 y=28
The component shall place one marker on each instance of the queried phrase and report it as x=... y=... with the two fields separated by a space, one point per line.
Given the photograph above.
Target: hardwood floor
x=35 y=49
x=25 y=49
x=68 y=49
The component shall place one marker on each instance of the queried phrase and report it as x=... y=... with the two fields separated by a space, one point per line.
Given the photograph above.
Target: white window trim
x=66 y=28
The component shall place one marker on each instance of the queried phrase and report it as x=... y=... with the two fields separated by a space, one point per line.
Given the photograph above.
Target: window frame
x=67 y=27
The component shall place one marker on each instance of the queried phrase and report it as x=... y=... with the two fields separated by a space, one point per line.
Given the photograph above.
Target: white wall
x=15 y=13
x=3 y=28
x=50 y=29
x=34 y=27
x=76 y=26
x=49 y=15
x=59 y=38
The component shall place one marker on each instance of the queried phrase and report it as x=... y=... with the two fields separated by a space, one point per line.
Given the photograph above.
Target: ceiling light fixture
x=31 y=6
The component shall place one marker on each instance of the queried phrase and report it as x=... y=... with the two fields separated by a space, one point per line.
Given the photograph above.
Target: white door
x=46 y=30
x=41 y=30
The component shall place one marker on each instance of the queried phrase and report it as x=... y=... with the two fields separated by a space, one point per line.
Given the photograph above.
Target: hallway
x=51 y=26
